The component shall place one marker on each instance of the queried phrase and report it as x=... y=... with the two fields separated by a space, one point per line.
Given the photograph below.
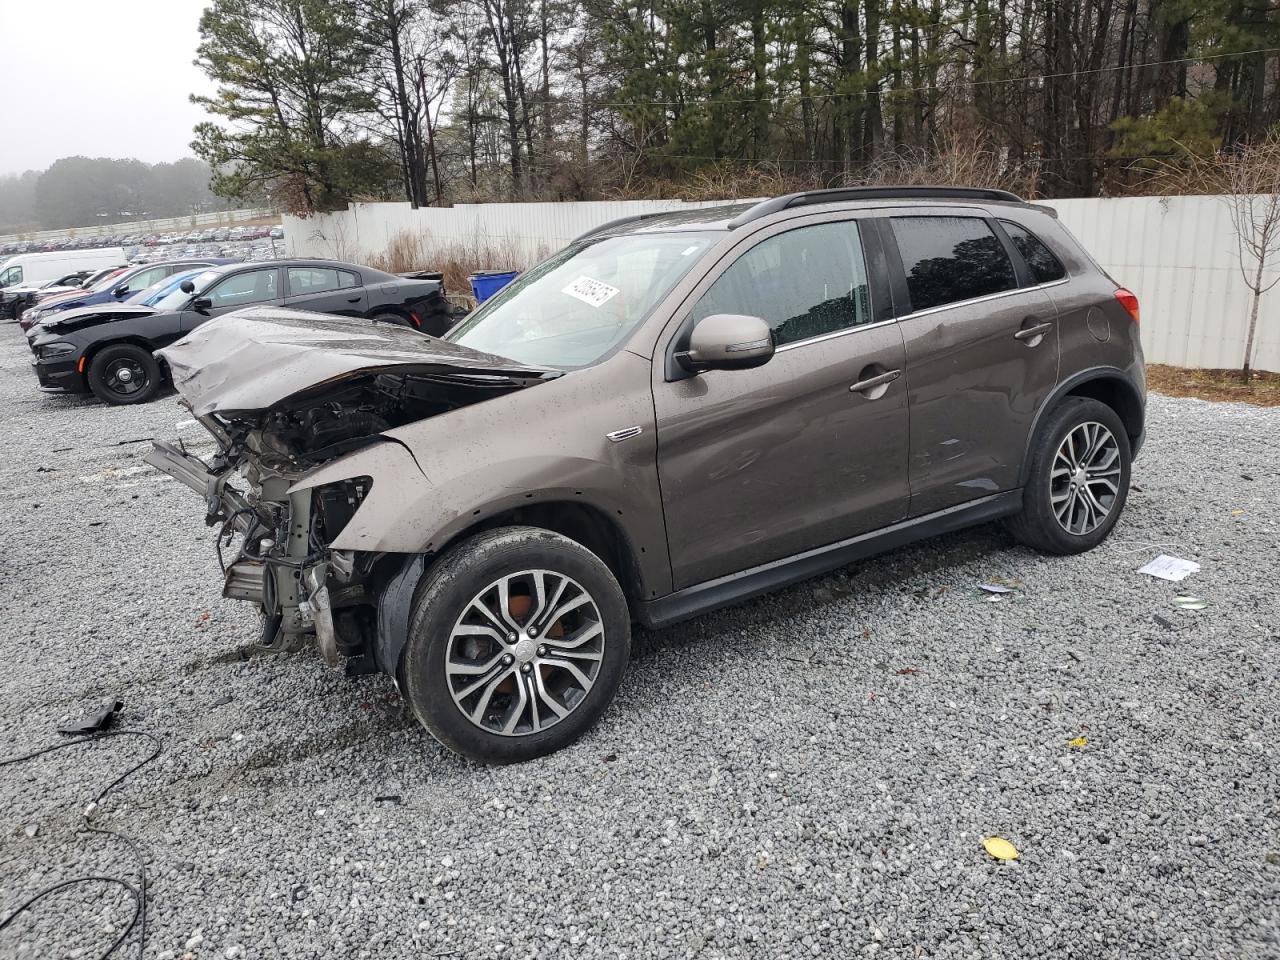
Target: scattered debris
x=907 y=671
x=1237 y=512
x=1000 y=848
x=995 y=588
x=31 y=829
x=610 y=757
x=994 y=598
x=46 y=469
x=223 y=700
x=388 y=798
x=1186 y=602
x=1162 y=621
x=1170 y=568
x=1077 y=742
x=94 y=722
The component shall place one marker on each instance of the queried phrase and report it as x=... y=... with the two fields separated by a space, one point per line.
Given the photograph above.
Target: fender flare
x=1111 y=374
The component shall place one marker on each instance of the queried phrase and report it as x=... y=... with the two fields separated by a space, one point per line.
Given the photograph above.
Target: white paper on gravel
x=1170 y=568
x=594 y=293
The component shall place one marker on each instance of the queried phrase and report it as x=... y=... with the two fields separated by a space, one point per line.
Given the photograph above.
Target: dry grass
x=457 y=261
x=1263 y=389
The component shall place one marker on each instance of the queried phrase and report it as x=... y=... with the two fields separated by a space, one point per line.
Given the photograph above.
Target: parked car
x=674 y=413
x=17 y=298
x=119 y=288
x=27 y=269
x=107 y=349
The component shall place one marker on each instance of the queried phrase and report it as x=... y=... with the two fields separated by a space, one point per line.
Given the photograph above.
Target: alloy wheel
x=525 y=652
x=1084 y=481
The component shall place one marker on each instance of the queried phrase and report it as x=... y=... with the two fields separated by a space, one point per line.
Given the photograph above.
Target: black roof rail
x=787 y=201
x=615 y=223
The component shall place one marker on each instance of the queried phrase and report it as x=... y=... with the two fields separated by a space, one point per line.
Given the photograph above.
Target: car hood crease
x=255 y=358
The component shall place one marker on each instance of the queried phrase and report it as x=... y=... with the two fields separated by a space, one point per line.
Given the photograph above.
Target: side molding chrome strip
x=626 y=433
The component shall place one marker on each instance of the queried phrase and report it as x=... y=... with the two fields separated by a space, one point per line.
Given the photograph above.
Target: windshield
x=162 y=288
x=581 y=304
x=176 y=298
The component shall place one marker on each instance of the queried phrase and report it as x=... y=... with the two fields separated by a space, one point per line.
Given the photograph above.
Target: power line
x=941 y=86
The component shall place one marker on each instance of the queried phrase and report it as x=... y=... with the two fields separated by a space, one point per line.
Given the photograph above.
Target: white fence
x=218 y=218
x=1178 y=254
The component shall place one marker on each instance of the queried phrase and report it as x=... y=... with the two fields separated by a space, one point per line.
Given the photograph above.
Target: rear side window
x=1045 y=267
x=805 y=283
x=303 y=280
x=948 y=259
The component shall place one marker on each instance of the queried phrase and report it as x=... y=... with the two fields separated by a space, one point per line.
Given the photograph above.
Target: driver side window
x=11 y=276
x=253 y=286
x=805 y=283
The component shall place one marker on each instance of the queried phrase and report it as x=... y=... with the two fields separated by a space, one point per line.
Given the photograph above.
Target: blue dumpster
x=486 y=283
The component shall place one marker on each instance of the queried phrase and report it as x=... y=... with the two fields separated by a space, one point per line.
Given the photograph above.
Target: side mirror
x=727 y=341
x=186 y=286
x=201 y=304
x=121 y=291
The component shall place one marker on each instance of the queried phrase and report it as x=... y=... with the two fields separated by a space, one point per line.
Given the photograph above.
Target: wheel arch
x=1108 y=385
x=133 y=340
x=586 y=524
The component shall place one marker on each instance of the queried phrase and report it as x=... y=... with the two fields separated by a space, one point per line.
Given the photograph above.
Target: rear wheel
x=1078 y=480
x=124 y=373
x=518 y=641
x=392 y=318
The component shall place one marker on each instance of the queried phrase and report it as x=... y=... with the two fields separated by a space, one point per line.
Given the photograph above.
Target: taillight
x=1129 y=301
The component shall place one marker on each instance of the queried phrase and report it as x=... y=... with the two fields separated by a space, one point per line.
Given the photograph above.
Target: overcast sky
x=98 y=78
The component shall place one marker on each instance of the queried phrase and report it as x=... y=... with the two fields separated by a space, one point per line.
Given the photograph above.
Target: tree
x=291 y=84
x=1251 y=177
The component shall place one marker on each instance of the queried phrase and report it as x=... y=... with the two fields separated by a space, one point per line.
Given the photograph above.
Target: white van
x=34 y=269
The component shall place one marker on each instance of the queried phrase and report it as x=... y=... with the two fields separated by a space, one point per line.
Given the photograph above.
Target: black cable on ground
x=137 y=893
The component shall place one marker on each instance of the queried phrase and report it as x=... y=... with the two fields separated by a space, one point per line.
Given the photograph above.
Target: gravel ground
x=811 y=774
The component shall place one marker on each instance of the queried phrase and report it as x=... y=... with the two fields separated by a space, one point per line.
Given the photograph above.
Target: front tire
x=1078 y=480
x=124 y=373
x=518 y=641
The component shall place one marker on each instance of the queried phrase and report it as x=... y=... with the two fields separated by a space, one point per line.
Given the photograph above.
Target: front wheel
x=517 y=643
x=124 y=373
x=1078 y=480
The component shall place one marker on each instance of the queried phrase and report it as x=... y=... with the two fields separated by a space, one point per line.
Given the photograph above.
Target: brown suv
x=673 y=413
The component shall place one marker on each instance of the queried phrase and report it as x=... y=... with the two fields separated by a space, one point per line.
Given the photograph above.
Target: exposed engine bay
x=272 y=540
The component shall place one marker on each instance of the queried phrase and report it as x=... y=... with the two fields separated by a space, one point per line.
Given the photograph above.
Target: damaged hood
x=255 y=358
x=99 y=313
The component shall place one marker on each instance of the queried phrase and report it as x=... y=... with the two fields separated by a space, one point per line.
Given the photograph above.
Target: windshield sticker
x=594 y=293
x=688 y=250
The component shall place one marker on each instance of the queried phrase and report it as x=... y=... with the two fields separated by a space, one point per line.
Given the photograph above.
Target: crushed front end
x=298 y=406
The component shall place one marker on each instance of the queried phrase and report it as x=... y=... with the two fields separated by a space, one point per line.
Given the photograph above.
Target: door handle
x=877 y=381
x=1030 y=333
x=353 y=299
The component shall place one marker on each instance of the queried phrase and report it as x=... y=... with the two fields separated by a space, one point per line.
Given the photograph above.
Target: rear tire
x=518 y=640
x=1078 y=479
x=395 y=318
x=124 y=373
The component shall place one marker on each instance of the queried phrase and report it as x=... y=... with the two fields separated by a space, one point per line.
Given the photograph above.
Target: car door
x=806 y=450
x=981 y=354
x=253 y=287
x=325 y=289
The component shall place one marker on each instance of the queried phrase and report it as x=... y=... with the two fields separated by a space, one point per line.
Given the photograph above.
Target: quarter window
x=304 y=280
x=804 y=283
x=1045 y=267
x=948 y=259
x=254 y=286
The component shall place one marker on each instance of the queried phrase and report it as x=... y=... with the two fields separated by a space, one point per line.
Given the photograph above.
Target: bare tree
x=1251 y=177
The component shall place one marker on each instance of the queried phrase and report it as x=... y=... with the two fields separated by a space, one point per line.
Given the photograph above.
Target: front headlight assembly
x=50 y=351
